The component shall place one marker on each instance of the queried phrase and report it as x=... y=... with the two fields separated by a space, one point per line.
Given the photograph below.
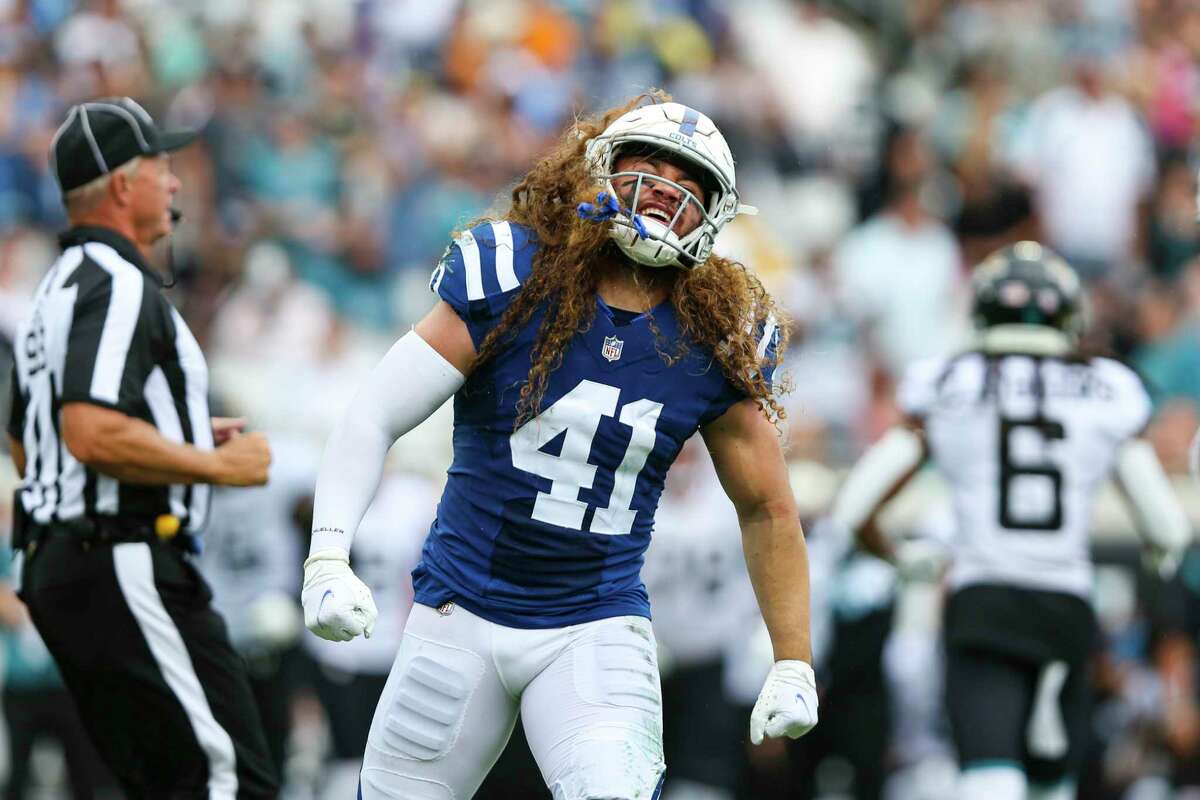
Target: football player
x=584 y=335
x=1024 y=428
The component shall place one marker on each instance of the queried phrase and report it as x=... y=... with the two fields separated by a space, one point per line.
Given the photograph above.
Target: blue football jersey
x=546 y=525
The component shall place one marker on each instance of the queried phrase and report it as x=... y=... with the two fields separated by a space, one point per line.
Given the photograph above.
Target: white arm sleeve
x=898 y=453
x=410 y=383
x=1161 y=518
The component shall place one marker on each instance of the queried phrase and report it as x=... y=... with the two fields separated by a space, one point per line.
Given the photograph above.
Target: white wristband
x=327 y=554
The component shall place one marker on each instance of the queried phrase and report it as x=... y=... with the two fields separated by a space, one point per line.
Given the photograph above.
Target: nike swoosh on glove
x=337 y=605
x=787 y=704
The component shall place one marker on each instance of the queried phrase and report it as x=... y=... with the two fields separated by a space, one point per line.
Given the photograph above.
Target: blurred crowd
x=889 y=144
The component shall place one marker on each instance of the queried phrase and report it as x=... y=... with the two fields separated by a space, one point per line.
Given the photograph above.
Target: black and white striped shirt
x=102 y=332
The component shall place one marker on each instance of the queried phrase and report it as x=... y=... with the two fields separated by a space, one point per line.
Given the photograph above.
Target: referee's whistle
x=166 y=526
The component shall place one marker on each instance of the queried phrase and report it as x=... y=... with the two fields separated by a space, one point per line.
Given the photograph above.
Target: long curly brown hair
x=720 y=305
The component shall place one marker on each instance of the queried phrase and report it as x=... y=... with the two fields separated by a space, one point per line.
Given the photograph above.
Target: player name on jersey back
x=1025 y=443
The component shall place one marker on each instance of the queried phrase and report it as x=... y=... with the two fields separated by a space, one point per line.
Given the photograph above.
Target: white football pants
x=588 y=694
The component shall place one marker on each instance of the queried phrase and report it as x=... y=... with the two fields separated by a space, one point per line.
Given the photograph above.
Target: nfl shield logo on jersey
x=612 y=348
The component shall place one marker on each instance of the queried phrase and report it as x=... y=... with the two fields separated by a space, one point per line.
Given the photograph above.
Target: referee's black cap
x=100 y=135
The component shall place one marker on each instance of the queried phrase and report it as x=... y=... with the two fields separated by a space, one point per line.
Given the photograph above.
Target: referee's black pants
x=161 y=691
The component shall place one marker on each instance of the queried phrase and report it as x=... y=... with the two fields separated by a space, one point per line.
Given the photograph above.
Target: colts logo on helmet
x=612 y=348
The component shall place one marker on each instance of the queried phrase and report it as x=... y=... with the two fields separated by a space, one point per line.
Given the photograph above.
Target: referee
x=111 y=432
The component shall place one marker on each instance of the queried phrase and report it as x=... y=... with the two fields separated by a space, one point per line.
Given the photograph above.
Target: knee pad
x=423 y=715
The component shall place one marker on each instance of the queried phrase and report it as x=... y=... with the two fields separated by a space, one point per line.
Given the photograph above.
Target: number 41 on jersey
x=578 y=412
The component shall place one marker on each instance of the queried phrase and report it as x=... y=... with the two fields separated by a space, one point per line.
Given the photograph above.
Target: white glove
x=787 y=704
x=920 y=560
x=337 y=605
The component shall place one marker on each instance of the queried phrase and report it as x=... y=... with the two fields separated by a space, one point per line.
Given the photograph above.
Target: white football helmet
x=688 y=134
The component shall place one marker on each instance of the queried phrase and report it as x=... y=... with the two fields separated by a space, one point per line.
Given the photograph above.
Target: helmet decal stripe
x=690 y=118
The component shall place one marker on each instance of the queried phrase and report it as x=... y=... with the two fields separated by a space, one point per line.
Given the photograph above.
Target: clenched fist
x=337 y=605
x=243 y=460
x=787 y=704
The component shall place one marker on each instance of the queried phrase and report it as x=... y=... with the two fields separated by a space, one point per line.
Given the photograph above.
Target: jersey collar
x=608 y=310
x=82 y=234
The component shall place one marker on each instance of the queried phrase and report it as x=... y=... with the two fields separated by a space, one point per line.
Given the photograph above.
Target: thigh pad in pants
x=417 y=733
x=598 y=714
x=425 y=712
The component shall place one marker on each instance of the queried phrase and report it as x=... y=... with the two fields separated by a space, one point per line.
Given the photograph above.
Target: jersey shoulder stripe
x=481 y=270
x=769 y=339
x=506 y=274
x=469 y=248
